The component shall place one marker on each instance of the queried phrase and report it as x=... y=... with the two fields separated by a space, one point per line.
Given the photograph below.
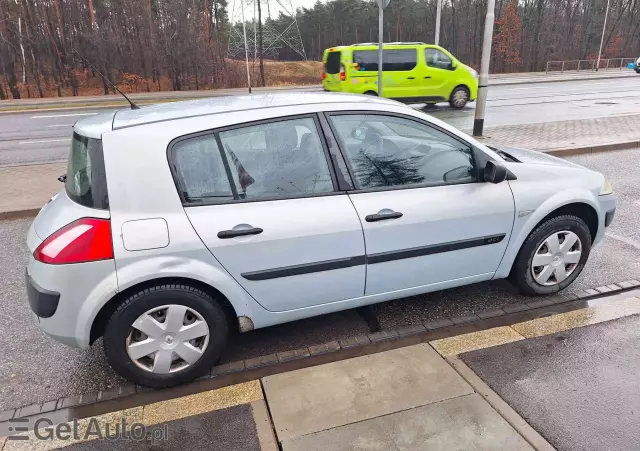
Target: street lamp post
x=382 y=4
x=438 y=16
x=483 y=82
x=604 y=26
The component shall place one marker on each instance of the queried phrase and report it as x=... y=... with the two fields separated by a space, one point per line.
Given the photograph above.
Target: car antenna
x=133 y=105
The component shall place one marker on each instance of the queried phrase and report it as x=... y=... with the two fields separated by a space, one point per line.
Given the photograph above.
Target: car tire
x=459 y=97
x=528 y=278
x=197 y=306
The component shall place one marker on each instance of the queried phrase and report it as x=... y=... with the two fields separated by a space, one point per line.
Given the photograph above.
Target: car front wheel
x=459 y=97
x=552 y=256
x=165 y=335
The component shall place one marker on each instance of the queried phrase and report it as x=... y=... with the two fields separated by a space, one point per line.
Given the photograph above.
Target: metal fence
x=588 y=65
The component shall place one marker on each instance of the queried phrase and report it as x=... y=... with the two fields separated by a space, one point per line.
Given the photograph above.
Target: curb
x=571 y=151
x=564 y=152
x=129 y=395
x=19 y=214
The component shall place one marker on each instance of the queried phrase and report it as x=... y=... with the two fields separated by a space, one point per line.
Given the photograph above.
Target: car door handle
x=382 y=217
x=428 y=76
x=411 y=78
x=224 y=234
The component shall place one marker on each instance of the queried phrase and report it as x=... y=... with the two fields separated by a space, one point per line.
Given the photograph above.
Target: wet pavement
x=35 y=368
x=222 y=430
x=579 y=388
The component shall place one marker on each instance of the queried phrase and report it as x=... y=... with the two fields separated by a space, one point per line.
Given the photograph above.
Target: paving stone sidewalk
x=569 y=135
x=25 y=189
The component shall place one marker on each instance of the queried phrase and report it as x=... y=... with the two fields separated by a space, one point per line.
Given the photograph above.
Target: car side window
x=277 y=159
x=199 y=170
x=437 y=58
x=390 y=151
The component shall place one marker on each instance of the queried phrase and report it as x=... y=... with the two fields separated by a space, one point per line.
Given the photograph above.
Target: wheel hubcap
x=167 y=339
x=460 y=98
x=556 y=258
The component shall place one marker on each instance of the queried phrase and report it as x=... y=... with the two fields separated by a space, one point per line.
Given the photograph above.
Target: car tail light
x=324 y=75
x=84 y=240
x=343 y=74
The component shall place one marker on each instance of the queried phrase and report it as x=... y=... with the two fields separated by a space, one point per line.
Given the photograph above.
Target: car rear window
x=392 y=60
x=333 y=63
x=86 y=181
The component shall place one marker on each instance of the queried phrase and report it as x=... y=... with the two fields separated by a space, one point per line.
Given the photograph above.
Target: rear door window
x=264 y=161
x=333 y=63
x=277 y=159
x=86 y=182
x=392 y=60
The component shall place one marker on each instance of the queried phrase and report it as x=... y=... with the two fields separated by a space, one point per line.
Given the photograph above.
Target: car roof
x=227 y=104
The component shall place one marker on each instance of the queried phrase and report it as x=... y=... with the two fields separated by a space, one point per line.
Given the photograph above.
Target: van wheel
x=552 y=256
x=459 y=97
x=371 y=93
x=165 y=335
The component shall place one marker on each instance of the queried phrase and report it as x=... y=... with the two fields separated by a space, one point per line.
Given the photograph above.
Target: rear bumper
x=66 y=298
x=44 y=303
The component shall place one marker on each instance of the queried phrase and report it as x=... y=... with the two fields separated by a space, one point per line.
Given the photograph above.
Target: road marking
x=44 y=141
x=60 y=125
x=43 y=116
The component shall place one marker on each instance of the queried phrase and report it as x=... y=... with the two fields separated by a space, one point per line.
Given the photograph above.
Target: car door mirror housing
x=495 y=172
x=359 y=133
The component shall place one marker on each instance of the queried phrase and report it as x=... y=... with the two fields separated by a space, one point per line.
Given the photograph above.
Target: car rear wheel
x=552 y=256
x=459 y=97
x=165 y=335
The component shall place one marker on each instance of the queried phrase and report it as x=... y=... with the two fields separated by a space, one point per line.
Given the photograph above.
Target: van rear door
x=332 y=69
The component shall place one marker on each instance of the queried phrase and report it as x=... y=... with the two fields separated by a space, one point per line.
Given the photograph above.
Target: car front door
x=437 y=73
x=263 y=199
x=427 y=217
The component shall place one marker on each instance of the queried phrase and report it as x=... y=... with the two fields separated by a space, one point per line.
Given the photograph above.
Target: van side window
x=437 y=58
x=392 y=60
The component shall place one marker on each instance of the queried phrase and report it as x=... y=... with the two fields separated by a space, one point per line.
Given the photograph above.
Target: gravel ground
x=34 y=368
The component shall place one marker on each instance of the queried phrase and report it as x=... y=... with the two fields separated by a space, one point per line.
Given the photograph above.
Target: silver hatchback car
x=183 y=221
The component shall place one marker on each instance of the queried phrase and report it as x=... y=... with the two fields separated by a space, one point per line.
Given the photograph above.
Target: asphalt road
x=579 y=388
x=40 y=136
x=34 y=368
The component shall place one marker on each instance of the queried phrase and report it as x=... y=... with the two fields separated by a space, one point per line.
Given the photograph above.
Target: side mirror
x=495 y=172
x=359 y=133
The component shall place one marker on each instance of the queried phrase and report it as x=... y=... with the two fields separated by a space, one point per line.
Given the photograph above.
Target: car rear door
x=427 y=218
x=263 y=198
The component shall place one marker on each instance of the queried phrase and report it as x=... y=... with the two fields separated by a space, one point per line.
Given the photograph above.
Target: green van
x=413 y=72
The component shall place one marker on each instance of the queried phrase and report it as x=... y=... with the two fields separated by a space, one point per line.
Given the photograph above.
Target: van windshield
x=333 y=63
x=86 y=182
